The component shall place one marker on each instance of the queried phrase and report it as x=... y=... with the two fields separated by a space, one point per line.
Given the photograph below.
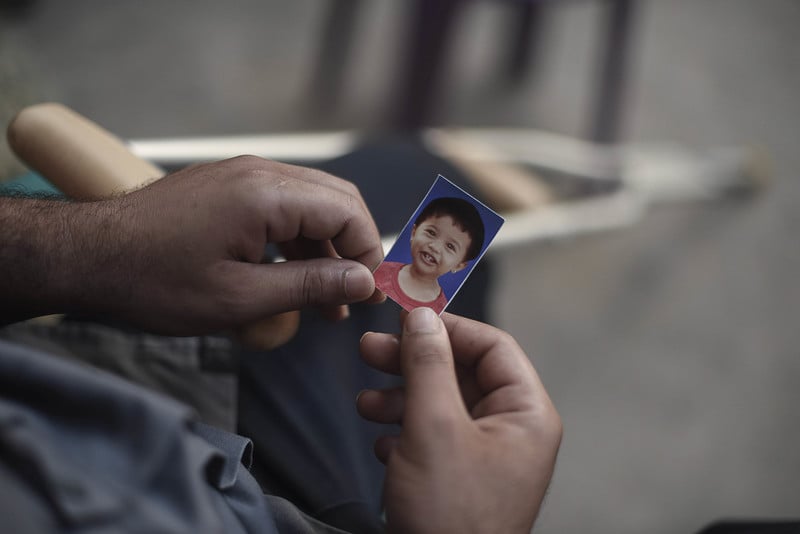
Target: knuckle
x=235 y=303
x=352 y=203
x=547 y=425
x=312 y=286
x=428 y=357
x=506 y=340
x=446 y=424
x=248 y=160
x=339 y=183
x=554 y=426
x=245 y=168
x=352 y=189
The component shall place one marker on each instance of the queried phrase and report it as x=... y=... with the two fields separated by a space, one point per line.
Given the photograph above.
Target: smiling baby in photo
x=447 y=236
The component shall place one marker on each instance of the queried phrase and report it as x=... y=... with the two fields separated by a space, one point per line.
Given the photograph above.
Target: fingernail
x=358 y=284
x=365 y=334
x=422 y=321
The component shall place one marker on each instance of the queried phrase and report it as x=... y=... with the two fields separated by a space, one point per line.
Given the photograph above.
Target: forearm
x=56 y=257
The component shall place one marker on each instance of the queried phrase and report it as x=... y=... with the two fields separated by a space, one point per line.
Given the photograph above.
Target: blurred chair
x=614 y=181
x=547 y=185
x=432 y=26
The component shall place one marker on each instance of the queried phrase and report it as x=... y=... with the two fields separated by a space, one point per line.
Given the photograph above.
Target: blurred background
x=670 y=347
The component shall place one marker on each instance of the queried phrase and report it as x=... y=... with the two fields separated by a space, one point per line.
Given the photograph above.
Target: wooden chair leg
x=335 y=47
x=431 y=27
x=615 y=51
x=525 y=39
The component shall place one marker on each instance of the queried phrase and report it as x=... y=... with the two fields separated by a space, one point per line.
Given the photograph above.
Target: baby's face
x=438 y=246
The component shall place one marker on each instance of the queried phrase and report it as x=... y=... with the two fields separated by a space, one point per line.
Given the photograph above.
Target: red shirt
x=386 y=279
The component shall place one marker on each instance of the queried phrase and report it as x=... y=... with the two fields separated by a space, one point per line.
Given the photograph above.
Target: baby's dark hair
x=464 y=215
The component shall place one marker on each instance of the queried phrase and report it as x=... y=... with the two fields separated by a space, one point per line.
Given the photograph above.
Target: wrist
x=98 y=278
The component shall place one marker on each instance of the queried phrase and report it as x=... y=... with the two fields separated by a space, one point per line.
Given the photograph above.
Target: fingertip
x=381 y=351
x=378 y=297
x=422 y=320
x=335 y=314
x=382 y=340
x=358 y=283
x=384 y=446
x=362 y=398
x=365 y=334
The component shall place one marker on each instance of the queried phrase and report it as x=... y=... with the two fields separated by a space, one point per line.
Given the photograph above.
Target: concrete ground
x=670 y=348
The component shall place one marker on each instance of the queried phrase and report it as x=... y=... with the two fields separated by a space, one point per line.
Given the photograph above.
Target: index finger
x=497 y=358
x=319 y=212
x=322 y=178
x=317 y=176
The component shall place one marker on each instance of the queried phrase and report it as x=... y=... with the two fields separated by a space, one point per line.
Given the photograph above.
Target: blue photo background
x=401 y=250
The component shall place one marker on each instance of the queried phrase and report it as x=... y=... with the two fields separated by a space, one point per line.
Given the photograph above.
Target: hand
x=209 y=225
x=183 y=255
x=479 y=434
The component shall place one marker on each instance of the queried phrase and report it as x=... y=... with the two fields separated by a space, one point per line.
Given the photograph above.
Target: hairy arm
x=183 y=256
x=57 y=256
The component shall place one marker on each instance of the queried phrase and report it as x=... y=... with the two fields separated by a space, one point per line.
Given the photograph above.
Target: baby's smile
x=428 y=258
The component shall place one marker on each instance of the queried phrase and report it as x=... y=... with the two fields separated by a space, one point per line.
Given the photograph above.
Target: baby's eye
x=451 y=246
x=430 y=232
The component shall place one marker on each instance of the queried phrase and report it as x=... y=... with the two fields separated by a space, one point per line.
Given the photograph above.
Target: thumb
x=432 y=393
x=291 y=285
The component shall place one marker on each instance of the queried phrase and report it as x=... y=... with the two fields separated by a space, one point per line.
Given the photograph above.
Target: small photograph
x=440 y=245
